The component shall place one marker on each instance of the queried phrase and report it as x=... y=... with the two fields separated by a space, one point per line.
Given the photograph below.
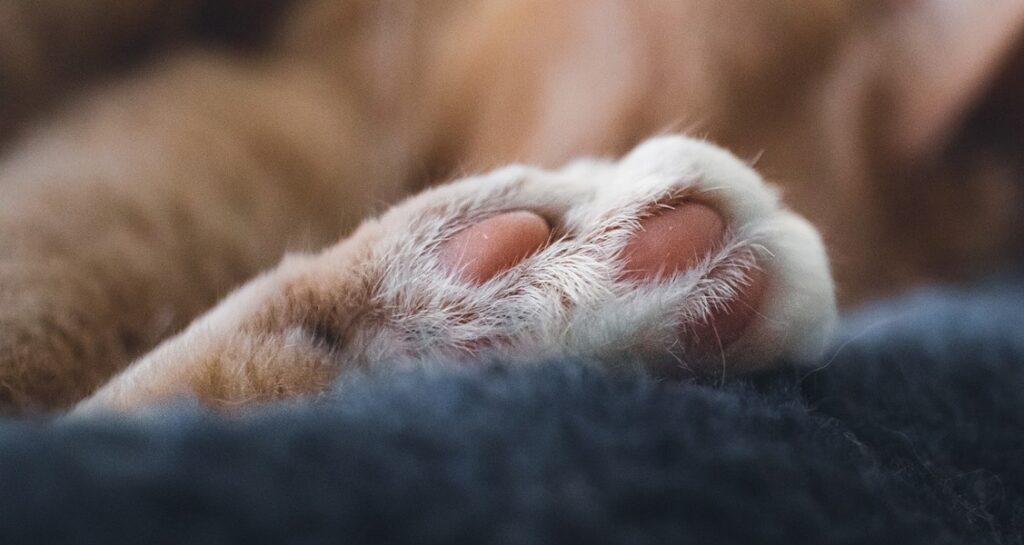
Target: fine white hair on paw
x=568 y=297
x=383 y=295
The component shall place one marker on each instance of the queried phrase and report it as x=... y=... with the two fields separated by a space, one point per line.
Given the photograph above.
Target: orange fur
x=147 y=197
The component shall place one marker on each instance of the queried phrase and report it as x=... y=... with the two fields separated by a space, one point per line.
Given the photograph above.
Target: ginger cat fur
x=132 y=204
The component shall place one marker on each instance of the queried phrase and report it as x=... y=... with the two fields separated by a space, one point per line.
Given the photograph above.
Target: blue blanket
x=911 y=430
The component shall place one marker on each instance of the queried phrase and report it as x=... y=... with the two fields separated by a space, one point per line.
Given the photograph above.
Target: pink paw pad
x=482 y=251
x=674 y=239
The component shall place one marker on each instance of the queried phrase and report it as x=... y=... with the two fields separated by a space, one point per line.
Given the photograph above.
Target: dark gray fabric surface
x=910 y=431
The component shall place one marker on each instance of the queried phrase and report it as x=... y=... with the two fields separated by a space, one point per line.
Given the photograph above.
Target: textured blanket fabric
x=910 y=431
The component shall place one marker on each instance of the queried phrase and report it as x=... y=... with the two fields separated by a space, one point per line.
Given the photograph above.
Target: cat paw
x=678 y=256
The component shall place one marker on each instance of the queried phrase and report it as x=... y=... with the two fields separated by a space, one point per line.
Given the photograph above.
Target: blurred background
x=895 y=126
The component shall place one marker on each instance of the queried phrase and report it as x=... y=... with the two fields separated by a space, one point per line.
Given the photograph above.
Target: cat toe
x=482 y=251
x=677 y=238
x=673 y=239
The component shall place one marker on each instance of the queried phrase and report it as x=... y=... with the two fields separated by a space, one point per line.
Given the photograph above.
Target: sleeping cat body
x=148 y=199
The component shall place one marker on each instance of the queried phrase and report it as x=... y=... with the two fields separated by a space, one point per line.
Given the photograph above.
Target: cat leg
x=143 y=206
x=677 y=258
